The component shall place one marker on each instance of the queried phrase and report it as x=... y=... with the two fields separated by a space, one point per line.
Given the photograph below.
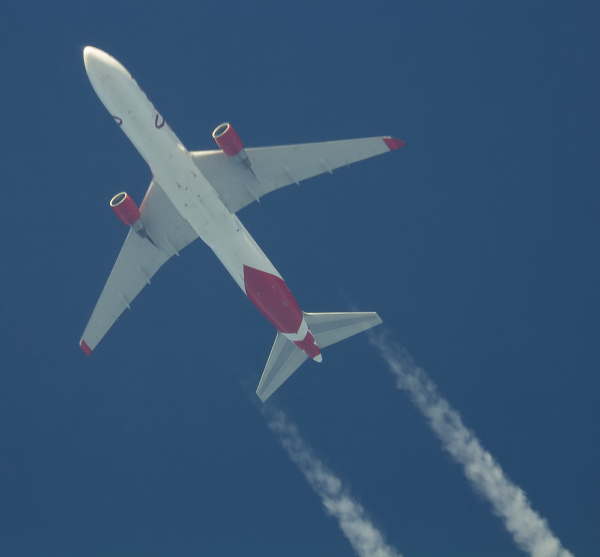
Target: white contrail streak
x=366 y=540
x=529 y=530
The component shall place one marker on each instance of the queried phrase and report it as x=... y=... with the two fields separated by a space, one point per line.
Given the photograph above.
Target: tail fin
x=327 y=328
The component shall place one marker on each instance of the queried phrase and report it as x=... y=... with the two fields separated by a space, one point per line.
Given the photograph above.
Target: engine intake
x=228 y=140
x=125 y=208
x=231 y=144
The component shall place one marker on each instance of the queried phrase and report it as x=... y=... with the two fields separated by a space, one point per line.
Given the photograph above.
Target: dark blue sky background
x=477 y=243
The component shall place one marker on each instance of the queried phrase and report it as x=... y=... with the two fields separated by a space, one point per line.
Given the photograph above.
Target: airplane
x=197 y=195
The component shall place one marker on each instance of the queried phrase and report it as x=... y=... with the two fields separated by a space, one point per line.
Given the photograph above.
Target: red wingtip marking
x=85 y=348
x=393 y=143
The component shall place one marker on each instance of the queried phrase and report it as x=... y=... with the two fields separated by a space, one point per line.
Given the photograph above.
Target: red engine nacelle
x=125 y=208
x=228 y=140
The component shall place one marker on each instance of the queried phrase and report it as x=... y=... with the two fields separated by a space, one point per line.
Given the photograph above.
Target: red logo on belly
x=273 y=298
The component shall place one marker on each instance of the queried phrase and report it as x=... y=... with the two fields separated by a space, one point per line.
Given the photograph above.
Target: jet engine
x=231 y=144
x=125 y=208
x=128 y=213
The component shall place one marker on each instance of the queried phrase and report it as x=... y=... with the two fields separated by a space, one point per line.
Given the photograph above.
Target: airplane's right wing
x=138 y=261
x=276 y=167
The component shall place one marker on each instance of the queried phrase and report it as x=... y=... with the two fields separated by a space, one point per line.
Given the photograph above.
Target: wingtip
x=393 y=143
x=86 y=349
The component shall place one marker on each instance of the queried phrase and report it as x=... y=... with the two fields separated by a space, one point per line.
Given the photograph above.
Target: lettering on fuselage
x=156 y=124
x=118 y=120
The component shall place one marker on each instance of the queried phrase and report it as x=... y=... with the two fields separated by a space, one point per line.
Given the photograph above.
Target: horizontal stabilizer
x=327 y=328
x=284 y=359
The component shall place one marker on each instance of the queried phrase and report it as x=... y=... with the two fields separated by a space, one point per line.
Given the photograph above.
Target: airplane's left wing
x=138 y=261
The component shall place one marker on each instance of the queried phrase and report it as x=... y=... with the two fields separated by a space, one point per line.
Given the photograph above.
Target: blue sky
x=477 y=244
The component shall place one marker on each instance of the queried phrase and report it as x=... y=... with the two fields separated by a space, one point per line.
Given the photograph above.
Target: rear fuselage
x=195 y=199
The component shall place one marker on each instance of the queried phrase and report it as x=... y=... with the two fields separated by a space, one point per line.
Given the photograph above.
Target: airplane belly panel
x=236 y=249
x=271 y=295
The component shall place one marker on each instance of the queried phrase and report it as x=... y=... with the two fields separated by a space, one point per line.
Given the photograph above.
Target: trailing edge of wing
x=284 y=359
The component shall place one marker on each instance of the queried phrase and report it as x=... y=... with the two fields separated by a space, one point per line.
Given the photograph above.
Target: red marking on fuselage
x=118 y=120
x=85 y=348
x=308 y=345
x=156 y=124
x=273 y=298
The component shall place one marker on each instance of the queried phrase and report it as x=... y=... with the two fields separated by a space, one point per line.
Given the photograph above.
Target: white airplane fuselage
x=196 y=200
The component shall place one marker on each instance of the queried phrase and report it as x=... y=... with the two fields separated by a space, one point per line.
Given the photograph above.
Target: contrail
x=366 y=540
x=529 y=530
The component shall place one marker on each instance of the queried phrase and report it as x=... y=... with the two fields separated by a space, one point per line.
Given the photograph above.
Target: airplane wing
x=138 y=261
x=276 y=167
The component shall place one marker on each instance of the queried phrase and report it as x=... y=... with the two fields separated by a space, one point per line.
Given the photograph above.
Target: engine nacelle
x=228 y=140
x=125 y=208
x=231 y=144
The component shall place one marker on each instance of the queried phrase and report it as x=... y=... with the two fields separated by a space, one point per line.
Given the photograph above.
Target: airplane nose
x=91 y=55
x=101 y=66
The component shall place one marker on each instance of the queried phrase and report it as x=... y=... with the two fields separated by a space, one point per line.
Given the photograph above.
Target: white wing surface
x=285 y=358
x=276 y=167
x=329 y=328
x=138 y=261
